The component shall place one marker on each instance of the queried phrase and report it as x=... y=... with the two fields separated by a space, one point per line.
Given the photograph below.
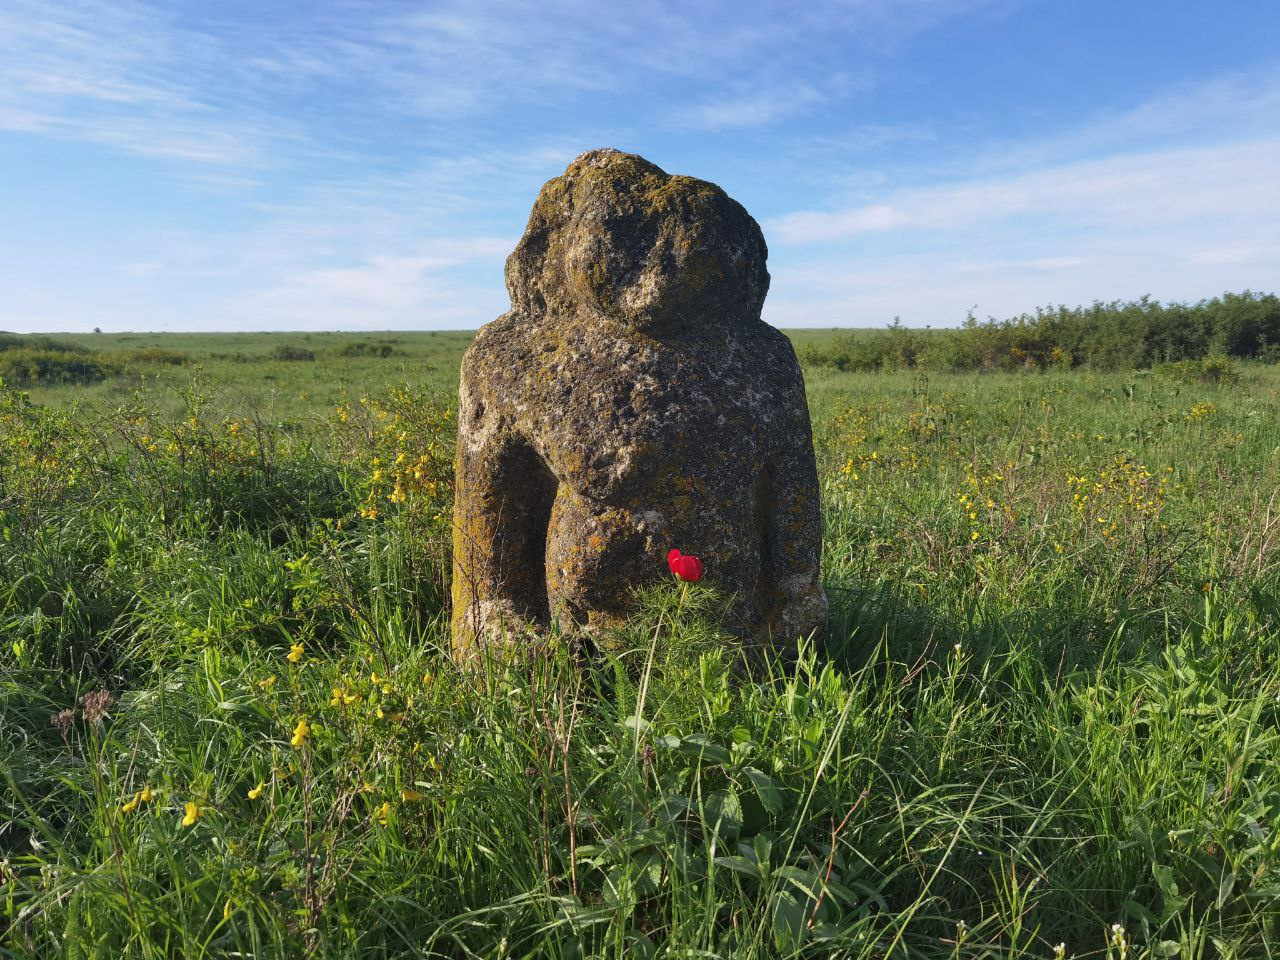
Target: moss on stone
x=635 y=304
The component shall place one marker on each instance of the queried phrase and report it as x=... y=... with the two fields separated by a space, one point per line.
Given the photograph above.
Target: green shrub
x=157 y=356
x=25 y=367
x=896 y=347
x=28 y=341
x=1214 y=370
x=1102 y=336
x=291 y=352
x=363 y=348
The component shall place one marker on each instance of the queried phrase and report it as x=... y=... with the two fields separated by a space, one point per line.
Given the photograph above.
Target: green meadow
x=1044 y=720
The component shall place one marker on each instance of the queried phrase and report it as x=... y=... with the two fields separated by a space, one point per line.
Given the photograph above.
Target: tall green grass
x=1026 y=733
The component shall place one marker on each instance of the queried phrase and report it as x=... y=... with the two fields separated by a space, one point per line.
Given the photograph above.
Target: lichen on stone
x=633 y=401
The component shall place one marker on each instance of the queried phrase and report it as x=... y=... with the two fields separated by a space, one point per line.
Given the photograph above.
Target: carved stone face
x=616 y=236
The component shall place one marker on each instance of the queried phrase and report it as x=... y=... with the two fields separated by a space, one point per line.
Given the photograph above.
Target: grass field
x=1044 y=721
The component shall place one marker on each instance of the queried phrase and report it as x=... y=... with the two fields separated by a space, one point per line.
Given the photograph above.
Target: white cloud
x=1173 y=223
x=1037 y=263
x=1237 y=254
x=380 y=291
x=142 y=268
x=936 y=289
x=753 y=109
x=323 y=111
x=1237 y=106
x=215 y=89
x=1173 y=186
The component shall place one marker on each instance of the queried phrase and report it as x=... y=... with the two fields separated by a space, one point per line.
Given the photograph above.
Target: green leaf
x=724 y=814
x=1227 y=884
x=808 y=882
x=766 y=789
x=635 y=723
x=698 y=746
x=739 y=865
x=762 y=850
x=789 y=922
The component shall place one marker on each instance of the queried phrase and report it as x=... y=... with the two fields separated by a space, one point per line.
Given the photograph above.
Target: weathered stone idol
x=632 y=401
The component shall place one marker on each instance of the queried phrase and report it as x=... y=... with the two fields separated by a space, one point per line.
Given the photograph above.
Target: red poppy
x=685 y=566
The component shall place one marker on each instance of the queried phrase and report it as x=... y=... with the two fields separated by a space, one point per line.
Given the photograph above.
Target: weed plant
x=1044 y=720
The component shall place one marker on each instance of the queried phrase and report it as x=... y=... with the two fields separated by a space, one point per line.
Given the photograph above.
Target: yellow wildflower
x=427 y=678
x=268 y=683
x=192 y=813
x=226 y=910
x=382 y=813
x=132 y=805
x=256 y=792
x=409 y=795
x=300 y=733
x=295 y=653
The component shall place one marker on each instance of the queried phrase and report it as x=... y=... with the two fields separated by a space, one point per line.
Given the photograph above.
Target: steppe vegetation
x=1102 y=336
x=1044 y=721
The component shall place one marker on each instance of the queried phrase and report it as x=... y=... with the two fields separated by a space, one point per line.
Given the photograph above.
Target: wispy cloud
x=1170 y=219
x=209 y=89
x=1247 y=253
x=1238 y=105
x=753 y=109
x=1177 y=223
x=385 y=291
x=1239 y=184
x=1036 y=263
x=129 y=77
x=377 y=161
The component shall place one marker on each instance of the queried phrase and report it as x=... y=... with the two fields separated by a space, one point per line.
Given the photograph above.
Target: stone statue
x=631 y=402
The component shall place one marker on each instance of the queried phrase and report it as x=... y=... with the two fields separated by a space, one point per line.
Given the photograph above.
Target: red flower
x=684 y=566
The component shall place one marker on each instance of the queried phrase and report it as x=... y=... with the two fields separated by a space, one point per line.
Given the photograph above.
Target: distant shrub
x=291 y=352
x=1269 y=352
x=895 y=347
x=1118 y=335
x=157 y=356
x=26 y=367
x=28 y=341
x=30 y=360
x=363 y=348
x=1126 y=335
x=1216 y=370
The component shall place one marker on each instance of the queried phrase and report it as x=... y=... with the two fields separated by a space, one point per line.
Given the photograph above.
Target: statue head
x=616 y=236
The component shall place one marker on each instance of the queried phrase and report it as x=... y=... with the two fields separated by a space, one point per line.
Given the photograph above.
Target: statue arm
x=795 y=604
x=502 y=502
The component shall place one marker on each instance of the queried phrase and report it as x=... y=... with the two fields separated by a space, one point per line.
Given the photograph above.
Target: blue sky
x=332 y=165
